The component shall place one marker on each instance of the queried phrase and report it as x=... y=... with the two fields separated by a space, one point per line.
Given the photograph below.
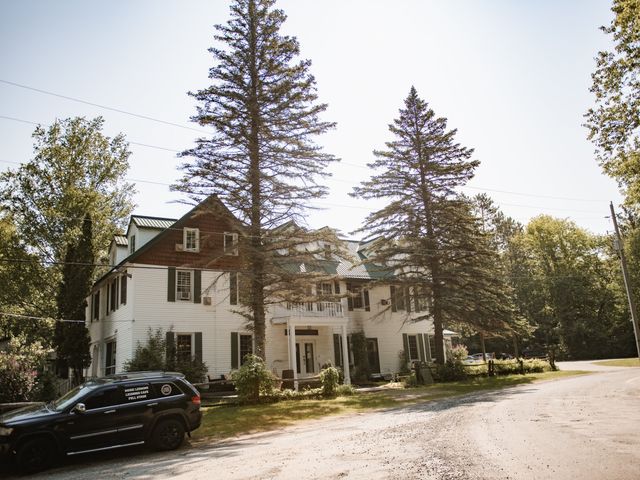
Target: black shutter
x=92 y=308
x=392 y=293
x=423 y=358
x=427 y=345
x=336 y=287
x=234 y=350
x=171 y=347
x=416 y=298
x=171 y=285
x=123 y=289
x=348 y=362
x=108 y=305
x=349 y=299
x=197 y=285
x=198 y=346
x=405 y=342
x=337 y=350
x=366 y=300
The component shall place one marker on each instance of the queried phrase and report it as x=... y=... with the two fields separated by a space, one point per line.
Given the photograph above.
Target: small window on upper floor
x=230 y=243
x=191 y=240
x=132 y=244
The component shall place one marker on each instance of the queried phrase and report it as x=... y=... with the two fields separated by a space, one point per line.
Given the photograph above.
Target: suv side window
x=164 y=389
x=137 y=392
x=105 y=397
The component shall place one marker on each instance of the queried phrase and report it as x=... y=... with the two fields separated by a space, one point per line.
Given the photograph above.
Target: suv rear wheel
x=35 y=455
x=168 y=434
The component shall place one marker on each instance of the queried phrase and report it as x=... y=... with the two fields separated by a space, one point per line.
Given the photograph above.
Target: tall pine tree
x=427 y=232
x=261 y=159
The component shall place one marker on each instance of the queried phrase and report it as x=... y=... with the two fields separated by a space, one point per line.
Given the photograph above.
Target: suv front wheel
x=35 y=455
x=168 y=434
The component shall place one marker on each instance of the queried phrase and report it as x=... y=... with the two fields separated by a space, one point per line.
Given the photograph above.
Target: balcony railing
x=310 y=309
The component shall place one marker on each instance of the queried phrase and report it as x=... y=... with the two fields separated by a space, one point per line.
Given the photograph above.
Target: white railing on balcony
x=310 y=309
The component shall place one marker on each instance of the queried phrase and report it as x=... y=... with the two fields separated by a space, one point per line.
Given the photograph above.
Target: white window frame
x=180 y=273
x=191 y=335
x=110 y=369
x=185 y=236
x=233 y=248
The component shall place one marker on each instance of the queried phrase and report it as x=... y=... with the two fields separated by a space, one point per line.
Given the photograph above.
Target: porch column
x=345 y=356
x=293 y=361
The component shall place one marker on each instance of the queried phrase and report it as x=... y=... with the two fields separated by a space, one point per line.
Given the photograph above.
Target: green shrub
x=17 y=378
x=411 y=381
x=46 y=388
x=19 y=367
x=155 y=354
x=345 y=390
x=330 y=378
x=253 y=380
x=150 y=356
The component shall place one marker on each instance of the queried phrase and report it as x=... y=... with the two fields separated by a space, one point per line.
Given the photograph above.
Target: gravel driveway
x=581 y=427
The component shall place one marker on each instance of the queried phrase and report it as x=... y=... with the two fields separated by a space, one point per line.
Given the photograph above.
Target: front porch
x=309 y=329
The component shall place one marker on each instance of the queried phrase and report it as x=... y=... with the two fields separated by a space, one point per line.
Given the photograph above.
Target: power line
x=351 y=182
x=33 y=317
x=105 y=107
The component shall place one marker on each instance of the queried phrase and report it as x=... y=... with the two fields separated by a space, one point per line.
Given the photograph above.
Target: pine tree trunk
x=256 y=263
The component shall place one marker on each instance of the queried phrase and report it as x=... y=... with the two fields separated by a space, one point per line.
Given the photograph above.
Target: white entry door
x=305 y=357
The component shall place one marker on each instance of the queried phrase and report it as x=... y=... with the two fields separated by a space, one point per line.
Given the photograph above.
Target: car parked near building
x=134 y=408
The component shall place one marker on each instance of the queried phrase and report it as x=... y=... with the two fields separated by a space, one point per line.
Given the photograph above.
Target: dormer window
x=230 y=243
x=191 y=240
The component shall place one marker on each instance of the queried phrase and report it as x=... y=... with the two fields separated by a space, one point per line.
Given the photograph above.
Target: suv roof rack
x=143 y=374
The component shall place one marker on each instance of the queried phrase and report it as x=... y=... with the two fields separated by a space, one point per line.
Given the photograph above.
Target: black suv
x=120 y=410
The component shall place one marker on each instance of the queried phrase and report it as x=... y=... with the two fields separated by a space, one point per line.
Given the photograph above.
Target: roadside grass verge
x=623 y=362
x=219 y=422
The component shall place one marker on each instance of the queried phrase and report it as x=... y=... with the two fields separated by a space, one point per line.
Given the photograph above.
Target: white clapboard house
x=182 y=276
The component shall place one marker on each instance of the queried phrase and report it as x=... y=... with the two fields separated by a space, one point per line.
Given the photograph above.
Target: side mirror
x=79 y=408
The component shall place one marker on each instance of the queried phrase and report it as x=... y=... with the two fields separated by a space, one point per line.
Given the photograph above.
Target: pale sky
x=512 y=76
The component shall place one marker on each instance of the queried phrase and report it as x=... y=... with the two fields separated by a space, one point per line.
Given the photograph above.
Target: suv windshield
x=71 y=397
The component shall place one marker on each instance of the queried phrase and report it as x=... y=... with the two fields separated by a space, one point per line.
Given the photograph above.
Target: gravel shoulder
x=583 y=426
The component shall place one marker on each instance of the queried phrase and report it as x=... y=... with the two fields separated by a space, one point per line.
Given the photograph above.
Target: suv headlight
x=5 y=431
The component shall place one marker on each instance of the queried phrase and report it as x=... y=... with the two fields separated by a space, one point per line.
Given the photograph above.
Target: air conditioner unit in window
x=184 y=295
x=206 y=300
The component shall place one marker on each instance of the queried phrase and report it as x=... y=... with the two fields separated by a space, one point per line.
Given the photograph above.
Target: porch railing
x=311 y=309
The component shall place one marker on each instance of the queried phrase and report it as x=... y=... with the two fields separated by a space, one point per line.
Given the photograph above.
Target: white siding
x=215 y=321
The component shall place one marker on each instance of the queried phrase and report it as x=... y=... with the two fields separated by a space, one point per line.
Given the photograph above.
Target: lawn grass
x=226 y=421
x=623 y=362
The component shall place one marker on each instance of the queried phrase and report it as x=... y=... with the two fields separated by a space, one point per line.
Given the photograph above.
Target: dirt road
x=582 y=427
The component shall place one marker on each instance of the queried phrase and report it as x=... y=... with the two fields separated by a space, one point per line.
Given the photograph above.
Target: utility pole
x=625 y=273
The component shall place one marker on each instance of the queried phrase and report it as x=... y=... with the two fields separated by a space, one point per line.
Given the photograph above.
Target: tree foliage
x=71 y=337
x=22 y=292
x=76 y=171
x=569 y=288
x=614 y=121
x=428 y=234
x=261 y=159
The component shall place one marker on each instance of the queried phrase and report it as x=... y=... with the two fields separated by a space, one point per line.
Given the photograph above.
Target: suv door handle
x=110 y=411
x=152 y=404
